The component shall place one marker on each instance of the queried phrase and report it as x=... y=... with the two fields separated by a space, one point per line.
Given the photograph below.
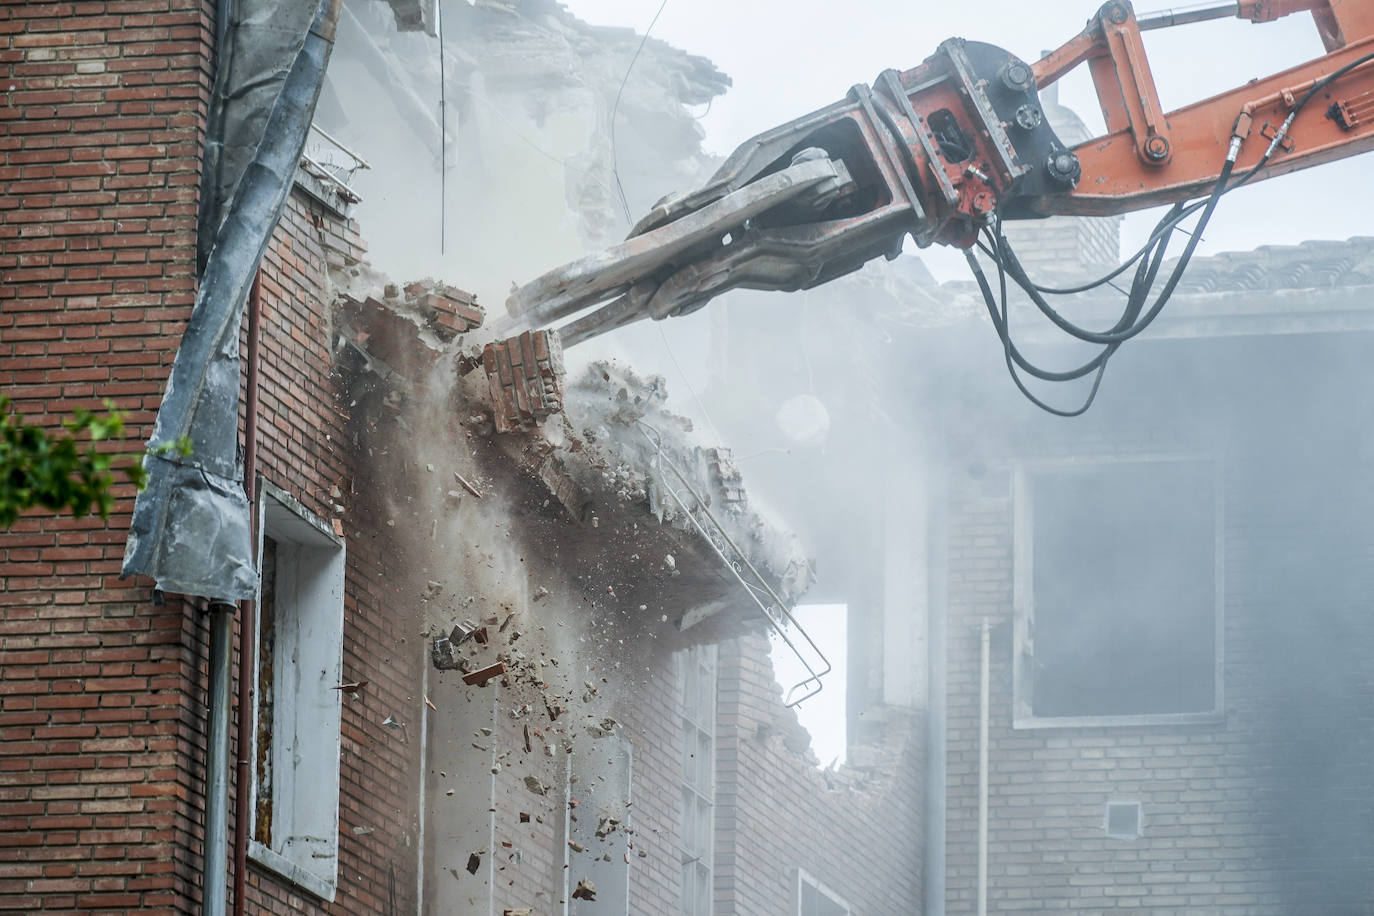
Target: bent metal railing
x=769 y=602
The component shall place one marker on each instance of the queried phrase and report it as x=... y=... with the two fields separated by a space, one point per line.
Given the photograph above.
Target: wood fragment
x=466 y=485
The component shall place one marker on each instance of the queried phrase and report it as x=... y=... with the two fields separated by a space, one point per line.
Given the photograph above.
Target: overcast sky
x=789 y=58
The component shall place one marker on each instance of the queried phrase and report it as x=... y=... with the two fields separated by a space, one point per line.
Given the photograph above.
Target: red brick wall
x=99 y=133
x=306 y=437
x=102 y=692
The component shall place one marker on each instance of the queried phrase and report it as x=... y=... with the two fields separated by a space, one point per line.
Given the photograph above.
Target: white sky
x=823 y=714
x=788 y=58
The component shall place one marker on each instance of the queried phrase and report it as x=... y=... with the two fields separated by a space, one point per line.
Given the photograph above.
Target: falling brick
x=525 y=377
x=480 y=677
x=452 y=313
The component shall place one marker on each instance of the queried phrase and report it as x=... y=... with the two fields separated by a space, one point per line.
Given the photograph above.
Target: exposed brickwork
x=100 y=138
x=306 y=440
x=525 y=374
x=451 y=313
x=1266 y=812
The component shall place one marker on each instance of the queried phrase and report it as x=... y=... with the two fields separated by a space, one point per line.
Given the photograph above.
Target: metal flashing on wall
x=190 y=527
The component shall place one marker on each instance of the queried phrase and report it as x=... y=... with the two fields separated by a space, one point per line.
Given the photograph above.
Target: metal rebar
x=812 y=684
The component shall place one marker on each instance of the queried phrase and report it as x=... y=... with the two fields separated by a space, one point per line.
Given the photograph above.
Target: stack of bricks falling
x=525 y=374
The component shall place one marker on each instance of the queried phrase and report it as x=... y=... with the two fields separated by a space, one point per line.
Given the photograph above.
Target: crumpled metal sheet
x=190 y=528
x=255 y=55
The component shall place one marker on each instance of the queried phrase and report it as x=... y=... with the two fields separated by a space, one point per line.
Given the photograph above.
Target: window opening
x=1118 y=587
x=267 y=649
x=815 y=899
x=697 y=668
x=299 y=654
x=1122 y=820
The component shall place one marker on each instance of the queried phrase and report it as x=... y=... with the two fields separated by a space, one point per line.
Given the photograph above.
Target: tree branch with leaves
x=66 y=471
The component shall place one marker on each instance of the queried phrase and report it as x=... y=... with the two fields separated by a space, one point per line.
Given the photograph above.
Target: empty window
x=815 y=899
x=602 y=777
x=299 y=665
x=697 y=679
x=1122 y=820
x=1118 y=583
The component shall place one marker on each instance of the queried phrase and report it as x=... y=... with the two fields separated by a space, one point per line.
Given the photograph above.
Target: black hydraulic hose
x=1148 y=260
x=1144 y=280
x=1014 y=358
x=1193 y=208
x=1019 y=275
x=1166 y=224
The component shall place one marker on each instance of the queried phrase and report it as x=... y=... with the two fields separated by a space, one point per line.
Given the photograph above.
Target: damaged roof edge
x=195 y=508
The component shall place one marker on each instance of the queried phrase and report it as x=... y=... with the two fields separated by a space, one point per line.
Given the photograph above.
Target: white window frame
x=698 y=668
x=805 y=879
x=302 y=692
x=1023 y=598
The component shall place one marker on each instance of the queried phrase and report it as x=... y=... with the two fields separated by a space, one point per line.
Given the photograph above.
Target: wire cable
x=443 y=128
x=615 y=109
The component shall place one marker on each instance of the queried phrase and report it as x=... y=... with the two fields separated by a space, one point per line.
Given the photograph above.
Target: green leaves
x=66 y=472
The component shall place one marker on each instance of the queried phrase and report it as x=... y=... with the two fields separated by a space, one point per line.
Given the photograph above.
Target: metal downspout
x=221 y=614
x=217 y=760
x=984 y=710
x=248 y=608
x=936 y=738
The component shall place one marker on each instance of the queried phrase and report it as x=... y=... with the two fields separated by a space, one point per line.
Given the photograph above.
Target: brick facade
x=1266 y=810
x=314 y=449
x=101 y=140
x=103 y=689
x=860 y=831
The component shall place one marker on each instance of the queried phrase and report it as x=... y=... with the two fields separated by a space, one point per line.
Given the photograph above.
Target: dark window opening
x=267 y=648
x=1124 y=589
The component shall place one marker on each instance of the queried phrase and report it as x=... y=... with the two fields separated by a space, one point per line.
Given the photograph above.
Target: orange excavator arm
x=1150 y=157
